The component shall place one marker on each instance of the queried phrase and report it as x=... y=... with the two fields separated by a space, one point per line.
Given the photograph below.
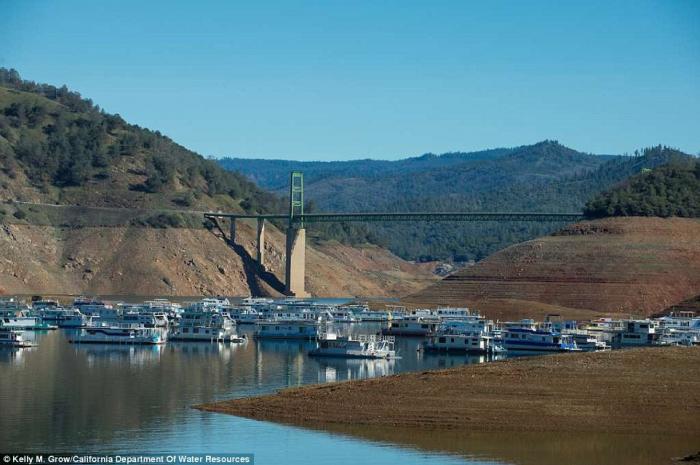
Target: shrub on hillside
x=161 y=221
x=669 y=190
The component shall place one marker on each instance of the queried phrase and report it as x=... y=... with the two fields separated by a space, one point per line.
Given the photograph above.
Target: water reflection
x=536 y=448
x=113 y=353
x=60 y=395
x=13 y=355
x=338 y=369
x=67 y=397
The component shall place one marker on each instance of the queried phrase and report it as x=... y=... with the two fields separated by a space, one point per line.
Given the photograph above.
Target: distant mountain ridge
x=543 y=177
x=274 y=173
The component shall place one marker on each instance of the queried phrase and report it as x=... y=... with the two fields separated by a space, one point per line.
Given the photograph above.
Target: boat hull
x=117 y=341
x=349 y=354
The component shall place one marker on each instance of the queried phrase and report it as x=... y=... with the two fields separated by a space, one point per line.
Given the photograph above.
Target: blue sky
x=338 y=80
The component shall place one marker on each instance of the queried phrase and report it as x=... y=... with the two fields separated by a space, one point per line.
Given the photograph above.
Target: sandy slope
x=616 y=265
x=147 y=261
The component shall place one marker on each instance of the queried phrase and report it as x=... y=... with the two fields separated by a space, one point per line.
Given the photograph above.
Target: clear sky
x=351 y=79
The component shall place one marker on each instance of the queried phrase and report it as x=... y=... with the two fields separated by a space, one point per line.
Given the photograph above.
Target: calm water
x=64 y=397
x=60 y=397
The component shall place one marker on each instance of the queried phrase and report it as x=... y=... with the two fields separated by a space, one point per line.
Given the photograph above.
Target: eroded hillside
x=617 y=265
x=186 y=262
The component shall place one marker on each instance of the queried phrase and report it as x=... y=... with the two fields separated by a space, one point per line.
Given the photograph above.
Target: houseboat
x=72 y=318
x=205 y=326
x=522 y=336
x=120 y=334
x=418 y=323
x=464 y=343
x=678 y=337
x=363 y=346
x=164 y=306
x=588 y=342
x=97 y=310
x=287 y=329
x=472 y=336
x=11 y=307
x=149 y=319
x=10 y=338
x=373 y=315
x=25 y=322
x=449 y=313
x=636 y=333
x=245 y=315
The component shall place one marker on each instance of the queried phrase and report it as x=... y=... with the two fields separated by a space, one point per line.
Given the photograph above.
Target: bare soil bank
x=611 y=266
x=640 y=391
x=188 y=262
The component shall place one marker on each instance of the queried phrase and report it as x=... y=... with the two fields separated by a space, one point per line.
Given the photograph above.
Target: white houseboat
x=524 y=336
x=24 y=322
x=10 y=338
x=465 y=343
x=473 y=335
x=150 y=319
x=363 y=346
x=450 y=313
x=418 y=323
x=121 y=334
x=636 y=333
x=287 y=329
x=205 y=326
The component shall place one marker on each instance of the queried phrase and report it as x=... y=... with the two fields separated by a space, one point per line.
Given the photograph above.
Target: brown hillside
x=616 y=265
x=689 y=305
x=185 y=262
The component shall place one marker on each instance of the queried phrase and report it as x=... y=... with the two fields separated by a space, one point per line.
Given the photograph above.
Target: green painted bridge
x=296 y=219
x=406 y=216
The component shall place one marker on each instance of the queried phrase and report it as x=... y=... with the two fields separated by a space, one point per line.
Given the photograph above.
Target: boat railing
x=375 y=338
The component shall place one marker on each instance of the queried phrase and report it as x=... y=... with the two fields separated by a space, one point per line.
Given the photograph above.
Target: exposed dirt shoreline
x=638 y=391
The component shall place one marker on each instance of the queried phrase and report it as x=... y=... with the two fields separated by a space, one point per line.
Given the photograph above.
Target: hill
x=133 y=231
x=544 y=177
x=670 y=190
x=633 y=266
x=58 y=147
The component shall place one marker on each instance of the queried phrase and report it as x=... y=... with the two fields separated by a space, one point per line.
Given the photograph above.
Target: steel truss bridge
x=296 y=219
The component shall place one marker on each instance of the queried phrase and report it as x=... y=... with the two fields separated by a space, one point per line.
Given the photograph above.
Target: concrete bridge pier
x=296 y=258
x=261 y=243
x=232 y=231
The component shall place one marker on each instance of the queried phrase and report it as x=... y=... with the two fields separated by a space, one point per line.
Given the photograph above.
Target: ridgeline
x=544 y=177
x=93 y=204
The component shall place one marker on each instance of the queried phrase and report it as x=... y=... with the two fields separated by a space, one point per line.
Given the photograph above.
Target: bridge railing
x=413 y=216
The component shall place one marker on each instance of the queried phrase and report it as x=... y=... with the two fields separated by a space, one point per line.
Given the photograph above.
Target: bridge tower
x=296 y=238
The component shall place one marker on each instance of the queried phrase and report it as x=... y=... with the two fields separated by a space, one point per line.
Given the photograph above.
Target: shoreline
x=634 y=391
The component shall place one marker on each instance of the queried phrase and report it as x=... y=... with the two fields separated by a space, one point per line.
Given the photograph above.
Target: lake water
x=60 y=397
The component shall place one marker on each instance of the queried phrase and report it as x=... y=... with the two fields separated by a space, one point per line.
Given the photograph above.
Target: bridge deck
x=413 y=216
